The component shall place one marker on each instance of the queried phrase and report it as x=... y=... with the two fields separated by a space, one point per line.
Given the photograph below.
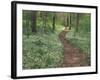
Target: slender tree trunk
x=77 y=22
x=33 y=19
x=67 y=19
x=53 y=24
x=70 y=21
x=42 y=17
x=45 y=21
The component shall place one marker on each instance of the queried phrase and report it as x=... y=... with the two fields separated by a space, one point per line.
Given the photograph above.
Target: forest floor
x=48 y=50
x=73 y=56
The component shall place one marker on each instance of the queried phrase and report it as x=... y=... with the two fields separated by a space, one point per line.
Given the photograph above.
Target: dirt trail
x=73 y=57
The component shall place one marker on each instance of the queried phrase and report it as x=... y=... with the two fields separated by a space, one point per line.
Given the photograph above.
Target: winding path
x=73 y=57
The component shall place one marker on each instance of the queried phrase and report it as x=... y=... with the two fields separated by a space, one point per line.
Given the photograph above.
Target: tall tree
x=33 y=18
x=77 y=21
x=65 y=16
x=44 y=20
x=29 y=19
x=69 y=20
x=53 y=20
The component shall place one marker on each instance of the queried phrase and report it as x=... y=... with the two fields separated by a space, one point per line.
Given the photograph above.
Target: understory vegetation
x=42 y=51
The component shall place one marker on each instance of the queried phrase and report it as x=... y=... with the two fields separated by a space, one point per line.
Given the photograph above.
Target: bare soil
x=73 y=56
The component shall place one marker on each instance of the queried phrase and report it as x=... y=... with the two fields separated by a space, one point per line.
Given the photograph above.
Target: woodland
x=56 y=39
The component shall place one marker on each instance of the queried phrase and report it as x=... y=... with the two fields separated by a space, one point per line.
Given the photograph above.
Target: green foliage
x=42 y=51
x=80 y=41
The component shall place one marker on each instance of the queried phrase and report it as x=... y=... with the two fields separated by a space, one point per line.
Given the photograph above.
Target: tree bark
x=33 y=21
x=53 y=24
x=77 y=22
x=70 y=21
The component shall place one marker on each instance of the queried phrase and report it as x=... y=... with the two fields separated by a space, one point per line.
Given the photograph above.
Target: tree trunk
x=67 y=19
x=33 y=21
x=77 y=22
x=53 y=24
x=45 y=21
x=70 y=21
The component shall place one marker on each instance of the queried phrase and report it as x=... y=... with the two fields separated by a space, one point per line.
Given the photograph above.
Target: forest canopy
x=46 y=21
